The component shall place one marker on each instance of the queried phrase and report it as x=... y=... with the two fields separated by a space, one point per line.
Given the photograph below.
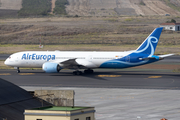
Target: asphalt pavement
x=116 y=94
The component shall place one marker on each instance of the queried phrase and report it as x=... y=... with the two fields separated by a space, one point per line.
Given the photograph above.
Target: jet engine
x=50 y=67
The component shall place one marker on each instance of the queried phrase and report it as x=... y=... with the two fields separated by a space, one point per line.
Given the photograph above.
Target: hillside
x=99 y=7
x=122 y=7
x=11 y=4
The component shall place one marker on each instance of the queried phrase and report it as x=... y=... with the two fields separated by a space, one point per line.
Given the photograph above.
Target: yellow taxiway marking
x=109 y=75
x=26 y=73
x=5 y=74
x=154 y=76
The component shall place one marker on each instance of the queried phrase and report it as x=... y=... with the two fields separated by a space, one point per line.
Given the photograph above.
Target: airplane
x=54 y=61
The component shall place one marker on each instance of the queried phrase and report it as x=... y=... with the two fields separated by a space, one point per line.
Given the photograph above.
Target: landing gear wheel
x=18 y=71
x=91 y=71
x=88 y=71
x=77 y=73
x=74 y=73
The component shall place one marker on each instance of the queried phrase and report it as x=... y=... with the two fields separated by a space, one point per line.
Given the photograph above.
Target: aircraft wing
x=77 y=63
x=69 y=62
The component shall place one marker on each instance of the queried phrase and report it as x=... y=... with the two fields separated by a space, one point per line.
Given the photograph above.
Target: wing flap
x=77 y=64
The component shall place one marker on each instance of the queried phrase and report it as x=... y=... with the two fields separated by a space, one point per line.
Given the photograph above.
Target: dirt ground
x=120 y=7
x=84 y=33
x=53 y=6
x=11 y=4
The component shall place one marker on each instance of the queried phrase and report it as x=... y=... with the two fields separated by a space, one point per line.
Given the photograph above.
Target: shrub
x=129 y=19
x=60 y=7
x=172 y=21
x=35 y=7
x=142 y=3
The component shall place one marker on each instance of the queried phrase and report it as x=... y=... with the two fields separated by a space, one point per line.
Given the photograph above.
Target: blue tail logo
x=149 y=45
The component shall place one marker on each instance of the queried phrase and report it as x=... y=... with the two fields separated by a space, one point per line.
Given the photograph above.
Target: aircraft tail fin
x=150 y=43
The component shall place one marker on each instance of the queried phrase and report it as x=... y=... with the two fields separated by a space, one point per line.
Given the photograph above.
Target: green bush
x=142 y=3
x=60 y=7
x=172 y=21
x=35 y=7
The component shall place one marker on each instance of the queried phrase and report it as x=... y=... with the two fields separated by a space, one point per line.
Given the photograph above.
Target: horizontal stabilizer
x=148 y=58
x=160 y=57
x=167 y=55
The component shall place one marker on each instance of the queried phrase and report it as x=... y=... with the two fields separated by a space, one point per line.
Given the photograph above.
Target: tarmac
x=126 y=104
x=128 y=94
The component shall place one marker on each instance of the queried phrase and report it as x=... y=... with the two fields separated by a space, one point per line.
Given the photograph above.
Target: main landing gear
x=88 y=71
x=77 y=73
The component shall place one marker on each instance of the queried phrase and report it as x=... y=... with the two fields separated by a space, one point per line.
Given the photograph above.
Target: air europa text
x=37 y=57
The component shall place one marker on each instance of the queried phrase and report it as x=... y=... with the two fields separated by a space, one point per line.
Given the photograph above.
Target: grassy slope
x=89 y=34
x=173 y=6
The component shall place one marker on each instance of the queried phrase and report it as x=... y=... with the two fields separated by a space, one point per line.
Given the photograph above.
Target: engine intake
x=50 y=67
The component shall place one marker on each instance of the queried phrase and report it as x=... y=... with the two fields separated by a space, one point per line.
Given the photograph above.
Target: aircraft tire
x=77 y=73
x=91 y=71
x=88 y=71
x=18 y=71
x=74 y=73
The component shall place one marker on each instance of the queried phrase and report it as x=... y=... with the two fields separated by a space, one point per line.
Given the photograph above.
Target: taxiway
x=151 y=92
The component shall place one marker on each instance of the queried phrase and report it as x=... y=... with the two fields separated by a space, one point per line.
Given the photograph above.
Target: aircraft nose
x=6 y=62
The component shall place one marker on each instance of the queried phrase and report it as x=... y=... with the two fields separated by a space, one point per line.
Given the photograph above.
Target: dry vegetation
x=84 y=33
x=122 y=7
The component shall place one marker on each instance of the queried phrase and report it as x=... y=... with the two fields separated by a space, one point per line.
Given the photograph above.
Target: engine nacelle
x=50 y=67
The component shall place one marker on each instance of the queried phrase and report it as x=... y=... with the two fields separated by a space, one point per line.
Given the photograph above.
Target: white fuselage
x=38 y=58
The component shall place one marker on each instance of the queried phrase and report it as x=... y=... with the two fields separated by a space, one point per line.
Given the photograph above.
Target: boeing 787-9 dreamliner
x=54 y=61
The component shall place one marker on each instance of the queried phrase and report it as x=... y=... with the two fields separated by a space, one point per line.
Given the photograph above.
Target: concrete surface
x=14 y=100
x=57 y=97
x=125 y=78
x=126 y=104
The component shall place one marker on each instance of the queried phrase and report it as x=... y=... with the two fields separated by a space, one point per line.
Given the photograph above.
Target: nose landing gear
x=17 y=68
